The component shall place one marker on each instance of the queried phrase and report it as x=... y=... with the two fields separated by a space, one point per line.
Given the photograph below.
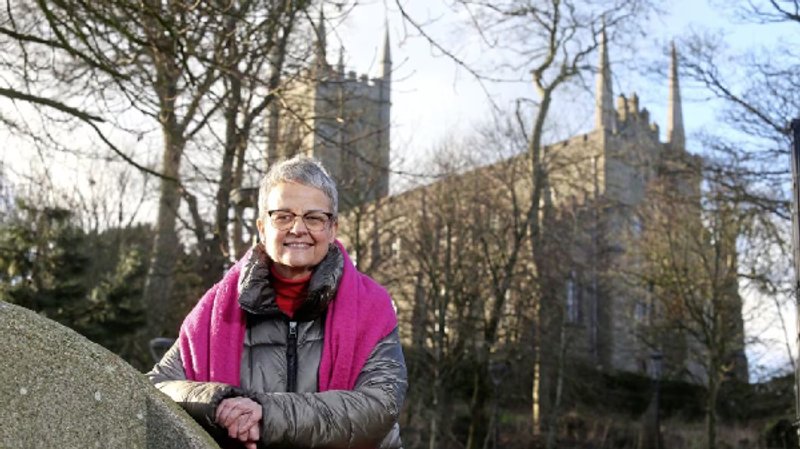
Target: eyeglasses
x=283 y=220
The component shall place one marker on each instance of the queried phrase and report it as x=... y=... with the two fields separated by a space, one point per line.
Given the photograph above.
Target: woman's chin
x=293 y=268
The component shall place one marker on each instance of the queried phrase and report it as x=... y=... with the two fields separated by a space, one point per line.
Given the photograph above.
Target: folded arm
x=199 y=399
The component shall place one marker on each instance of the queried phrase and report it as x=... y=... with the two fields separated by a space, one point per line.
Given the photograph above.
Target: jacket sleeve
x=199 y=399
x=358 y=418
x=392 y=439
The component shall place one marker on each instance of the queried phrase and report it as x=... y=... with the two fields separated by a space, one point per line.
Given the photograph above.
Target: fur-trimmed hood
x=257 y=295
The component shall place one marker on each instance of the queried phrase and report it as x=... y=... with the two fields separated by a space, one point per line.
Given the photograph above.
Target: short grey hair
x=304 y=170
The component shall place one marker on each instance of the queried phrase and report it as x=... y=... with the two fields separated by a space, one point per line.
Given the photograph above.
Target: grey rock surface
x=60 y=390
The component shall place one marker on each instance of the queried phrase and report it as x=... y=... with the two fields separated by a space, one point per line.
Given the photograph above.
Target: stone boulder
x=58 y=389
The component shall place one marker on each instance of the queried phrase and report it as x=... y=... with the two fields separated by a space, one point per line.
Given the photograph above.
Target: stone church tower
x=341 y=119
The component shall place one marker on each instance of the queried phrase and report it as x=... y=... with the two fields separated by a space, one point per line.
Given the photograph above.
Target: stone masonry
x=58 y=389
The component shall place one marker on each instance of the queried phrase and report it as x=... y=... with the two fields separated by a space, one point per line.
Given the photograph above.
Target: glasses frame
x=302 y=218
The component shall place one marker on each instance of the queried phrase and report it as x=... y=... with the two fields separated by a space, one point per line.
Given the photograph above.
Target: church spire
x=340 y=64
x=386 y=56
x=675 y=133
x=604 y=115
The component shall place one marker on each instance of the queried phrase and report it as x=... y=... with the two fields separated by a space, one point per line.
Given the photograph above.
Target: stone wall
x=58 y=389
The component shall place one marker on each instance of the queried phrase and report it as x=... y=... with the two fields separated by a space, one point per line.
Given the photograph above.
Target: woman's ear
x=333 y=230
x=260 y=227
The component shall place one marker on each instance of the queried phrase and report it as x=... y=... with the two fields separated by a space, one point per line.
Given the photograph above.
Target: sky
x=432 y=98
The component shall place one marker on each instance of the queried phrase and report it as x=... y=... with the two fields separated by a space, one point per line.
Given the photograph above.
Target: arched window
x=573 y=306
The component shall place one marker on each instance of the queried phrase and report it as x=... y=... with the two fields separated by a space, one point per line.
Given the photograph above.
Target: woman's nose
x=299 y=226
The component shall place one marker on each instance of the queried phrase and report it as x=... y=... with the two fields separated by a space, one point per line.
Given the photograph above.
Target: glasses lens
x=282 y=220
x=315 y=221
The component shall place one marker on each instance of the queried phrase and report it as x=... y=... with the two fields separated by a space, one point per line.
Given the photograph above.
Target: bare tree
x=688 y=255
x=258 y=44
x=552 y=41
x=182 y=66
x=757 y=92
x=454 y=253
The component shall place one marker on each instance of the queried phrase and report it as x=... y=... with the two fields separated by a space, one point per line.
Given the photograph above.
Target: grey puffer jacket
x=279 y=370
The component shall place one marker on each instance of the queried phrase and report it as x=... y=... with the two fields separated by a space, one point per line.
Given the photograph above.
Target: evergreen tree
x=89 y=282
x=43 y=261
x=114 y=308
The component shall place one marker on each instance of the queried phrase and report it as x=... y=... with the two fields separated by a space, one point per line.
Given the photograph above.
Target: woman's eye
x=314 y=219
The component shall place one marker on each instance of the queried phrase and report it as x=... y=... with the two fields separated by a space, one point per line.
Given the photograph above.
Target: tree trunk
x=711 y=411
x=540 y=391
x=273 y=135
x=433 y=442
x=536 y=412
x=480 y=394
x=157 y=294
x=166 y=250
x=552 y=426
x=438 y=360
x=239 y=244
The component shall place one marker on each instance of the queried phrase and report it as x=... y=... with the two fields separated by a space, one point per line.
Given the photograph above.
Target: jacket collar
x=257 y=294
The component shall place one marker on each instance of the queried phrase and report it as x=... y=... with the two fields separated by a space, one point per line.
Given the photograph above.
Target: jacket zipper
x=291 y=358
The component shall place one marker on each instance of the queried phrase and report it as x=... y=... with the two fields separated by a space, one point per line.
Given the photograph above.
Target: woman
x=293 y=347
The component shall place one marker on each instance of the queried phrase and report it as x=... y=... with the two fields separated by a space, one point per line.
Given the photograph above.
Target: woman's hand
x=242 y=419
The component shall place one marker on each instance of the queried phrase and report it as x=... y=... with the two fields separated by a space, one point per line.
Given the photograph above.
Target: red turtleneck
x=289 y=293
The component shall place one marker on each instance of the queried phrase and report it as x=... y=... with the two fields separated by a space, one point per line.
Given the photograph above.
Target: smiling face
x=296 y=251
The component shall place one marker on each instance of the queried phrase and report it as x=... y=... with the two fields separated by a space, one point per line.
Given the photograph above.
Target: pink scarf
x=212 y=335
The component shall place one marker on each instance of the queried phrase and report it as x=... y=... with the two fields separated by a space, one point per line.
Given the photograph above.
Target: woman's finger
x=255 y=432
x=249 y=430
x=235 y=428
x=243 y=425
x=223 y=410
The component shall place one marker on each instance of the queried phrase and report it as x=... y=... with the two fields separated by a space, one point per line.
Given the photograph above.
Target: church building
x=597 y=184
